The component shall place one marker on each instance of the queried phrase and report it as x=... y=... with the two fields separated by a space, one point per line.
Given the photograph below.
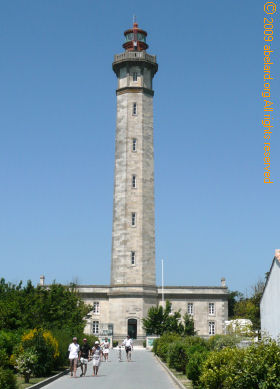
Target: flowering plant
x=25 y=363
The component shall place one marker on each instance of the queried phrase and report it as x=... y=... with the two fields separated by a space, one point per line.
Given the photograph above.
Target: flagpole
x=162 y=293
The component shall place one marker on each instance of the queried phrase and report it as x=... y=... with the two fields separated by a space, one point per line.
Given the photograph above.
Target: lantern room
x=135 y=39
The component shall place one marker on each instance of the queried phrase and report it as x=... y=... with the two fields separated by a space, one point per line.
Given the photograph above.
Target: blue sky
x=214 y=215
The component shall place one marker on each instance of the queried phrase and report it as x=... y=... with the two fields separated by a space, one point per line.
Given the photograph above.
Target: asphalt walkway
x=144 y=372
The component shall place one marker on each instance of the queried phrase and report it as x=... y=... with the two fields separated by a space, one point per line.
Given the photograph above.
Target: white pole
x=162 y=293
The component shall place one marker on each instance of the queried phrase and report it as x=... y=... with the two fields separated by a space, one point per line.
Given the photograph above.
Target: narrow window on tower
x=133 y=219
x=134 y=109
x=134 y=142
x=132 y=257
x=134 y=181
x=134 y=76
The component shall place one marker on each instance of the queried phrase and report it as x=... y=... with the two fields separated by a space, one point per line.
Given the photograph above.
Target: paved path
x=144 y=372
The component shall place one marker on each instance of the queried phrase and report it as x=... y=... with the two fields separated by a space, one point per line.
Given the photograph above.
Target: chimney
x=277 y=254
x=223 y=282
x=42 y=280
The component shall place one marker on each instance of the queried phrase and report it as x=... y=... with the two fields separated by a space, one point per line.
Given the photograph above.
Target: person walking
x=96 y=356
x=128 y=344
x=73 y=349
x=106 y=346
x=84 y=356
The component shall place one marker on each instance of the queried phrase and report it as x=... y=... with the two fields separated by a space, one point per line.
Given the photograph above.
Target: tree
x=161 y=320
x=188 y=325
x=249 y=307
x=56 y=306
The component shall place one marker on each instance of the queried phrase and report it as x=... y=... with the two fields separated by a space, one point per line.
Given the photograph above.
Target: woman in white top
x=73 y=349
x=96 y=356
x=106 y=346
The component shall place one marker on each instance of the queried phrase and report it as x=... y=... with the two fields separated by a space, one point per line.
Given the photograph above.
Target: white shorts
x=96 y=362
x=106 y=351
x=84 y=361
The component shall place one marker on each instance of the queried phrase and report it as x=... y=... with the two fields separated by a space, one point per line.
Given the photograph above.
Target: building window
x=96 y=307
x=190 y=308
x=134 y=109
x=211 y=326
x=133 y=181
x=134 y=142
x=95 y=327
x=134 y=76
x=133 y=219
x=211 y=309
x=132 y=257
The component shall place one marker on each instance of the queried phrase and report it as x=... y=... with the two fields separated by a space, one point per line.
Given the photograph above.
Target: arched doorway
x=132 y=328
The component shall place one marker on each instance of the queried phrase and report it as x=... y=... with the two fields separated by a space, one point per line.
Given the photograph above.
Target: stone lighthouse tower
x=133 y=237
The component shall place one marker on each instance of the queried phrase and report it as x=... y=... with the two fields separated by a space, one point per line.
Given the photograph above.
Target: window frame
x=211 y=309
x=133 y=219
x=134 y=108
x=132 y=258
x=133 y=181
x=96 y=308
x=134 y=145
x=211 y=328
x=134 y=76
x=95 y=327
x=188 y=310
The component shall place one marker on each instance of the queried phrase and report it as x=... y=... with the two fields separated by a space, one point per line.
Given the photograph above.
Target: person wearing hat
x=84 y=356
x=73 y=349
x=96 y=356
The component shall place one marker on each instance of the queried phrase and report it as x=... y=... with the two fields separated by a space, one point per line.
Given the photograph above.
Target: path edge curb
x=48 y=380
x=175 y=379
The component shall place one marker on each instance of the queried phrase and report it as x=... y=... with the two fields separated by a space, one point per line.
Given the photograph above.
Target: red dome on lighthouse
x=135 y=39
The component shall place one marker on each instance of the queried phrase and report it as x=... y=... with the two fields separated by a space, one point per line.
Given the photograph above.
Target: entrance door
x=132 y=328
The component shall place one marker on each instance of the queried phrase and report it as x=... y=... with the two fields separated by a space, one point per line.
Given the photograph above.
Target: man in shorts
x=84 y=356
x=128 y=344
x=73 y=349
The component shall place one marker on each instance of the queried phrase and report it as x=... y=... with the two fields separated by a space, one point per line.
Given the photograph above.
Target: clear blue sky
x=214 y=215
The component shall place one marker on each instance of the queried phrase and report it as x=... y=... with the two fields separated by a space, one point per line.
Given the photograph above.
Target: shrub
x=218 y=342
x=163 y=343
x=4 y=359
x=258 y=366
x=218 y=370
x=46 y=348
x=7 y=379
x=196 y=357
x=144 y=343
x=26 y=363
x=177 y=355
x=9 y=340
x=115 y=343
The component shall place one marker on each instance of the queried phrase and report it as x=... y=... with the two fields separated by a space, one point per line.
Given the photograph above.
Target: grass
x=182 y=378
x=33 y=380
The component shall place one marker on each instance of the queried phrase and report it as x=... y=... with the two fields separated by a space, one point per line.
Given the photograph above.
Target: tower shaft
x=133 y=238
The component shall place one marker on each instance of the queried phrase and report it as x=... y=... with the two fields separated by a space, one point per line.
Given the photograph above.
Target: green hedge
x=257 y=366
x=7 y=379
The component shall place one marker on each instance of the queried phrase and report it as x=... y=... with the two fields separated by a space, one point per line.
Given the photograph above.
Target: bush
x=115 y=343
x=7 y=379
x=161 y=345
x=177 y=355
x=144 y=343
x=196 y=356
x=9 y=340
x=26 y=363
x=258 y=366
x=46 y=348
x=4 y=359
x=218 y=342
